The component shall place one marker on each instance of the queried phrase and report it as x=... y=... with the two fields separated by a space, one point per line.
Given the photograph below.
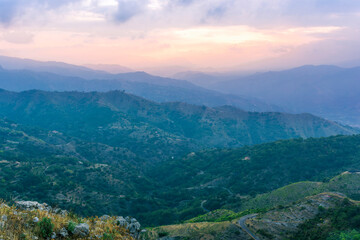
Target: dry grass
x=20 y=225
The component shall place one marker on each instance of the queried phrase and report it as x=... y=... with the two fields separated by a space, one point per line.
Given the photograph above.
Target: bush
x=108 y=236
x=71 y=226
x=163 y=234
x=46 y=227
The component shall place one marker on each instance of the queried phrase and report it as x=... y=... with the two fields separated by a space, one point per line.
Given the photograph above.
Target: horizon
x=165 y=37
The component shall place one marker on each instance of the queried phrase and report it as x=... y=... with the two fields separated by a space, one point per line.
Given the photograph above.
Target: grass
x=345 y=183
x=189 y=230
x=20 y=225
x=222 y=215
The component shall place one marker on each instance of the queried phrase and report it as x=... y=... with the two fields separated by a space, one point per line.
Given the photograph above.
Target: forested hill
x=259 y=169
x=123 y=120
x=95 y=179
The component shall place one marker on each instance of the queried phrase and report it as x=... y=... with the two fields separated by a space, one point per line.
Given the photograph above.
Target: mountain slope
x=328 y=91
x=138 y=83
x=130 y=179
x=123 y=120
x=226 y=178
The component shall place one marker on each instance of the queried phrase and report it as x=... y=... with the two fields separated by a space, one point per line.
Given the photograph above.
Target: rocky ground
x=32 y=220
x=282 y=222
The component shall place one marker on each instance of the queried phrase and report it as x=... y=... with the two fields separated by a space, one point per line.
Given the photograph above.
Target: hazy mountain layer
x=139 y=83
x=328 y=91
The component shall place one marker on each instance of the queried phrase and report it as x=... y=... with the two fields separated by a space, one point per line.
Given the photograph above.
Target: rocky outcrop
x=282 y=222
x=32 y=205
x=81 y=230
x=131 y=224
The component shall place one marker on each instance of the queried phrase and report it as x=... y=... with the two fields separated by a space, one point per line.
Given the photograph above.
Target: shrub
x=71 y=226
x=163 y=234
x=46 y=227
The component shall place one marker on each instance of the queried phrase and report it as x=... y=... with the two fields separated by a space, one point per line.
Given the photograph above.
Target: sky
x=209 y=35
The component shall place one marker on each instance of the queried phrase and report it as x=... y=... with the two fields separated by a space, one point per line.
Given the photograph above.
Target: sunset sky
x=194 y=34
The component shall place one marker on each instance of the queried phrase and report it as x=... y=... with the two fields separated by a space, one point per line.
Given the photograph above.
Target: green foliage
x=46 y=227
x=48 y=161
x=71 y=226
x=108 y=236
x=348 y=235
x=332 y=223
x=162 y=234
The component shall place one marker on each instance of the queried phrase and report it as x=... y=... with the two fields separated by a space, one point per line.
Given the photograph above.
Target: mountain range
x=125 y=120
x=327 y=91
x=21 y=75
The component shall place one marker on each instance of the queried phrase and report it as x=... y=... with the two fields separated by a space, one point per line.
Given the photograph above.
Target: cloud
x=127 y=9
x=7 y=11
x=18 y=37
x=11 y=9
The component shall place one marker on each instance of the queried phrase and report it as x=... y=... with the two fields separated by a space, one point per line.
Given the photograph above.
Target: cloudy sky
x=194 y=34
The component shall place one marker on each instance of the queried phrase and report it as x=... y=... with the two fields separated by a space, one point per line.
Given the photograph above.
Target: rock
x=32 y=205
x=120 y=221
x=64 y=213
x=35 y=219
x=4 y=218
x=104 y=217
x=2 y=224
x=53 y=235
x=63 y=233
x=56 y=210
x=3 y=205
x=81 y=230
x=134 y=228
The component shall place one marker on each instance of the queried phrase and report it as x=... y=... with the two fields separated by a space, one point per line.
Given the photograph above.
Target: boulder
x=63 y=233
x=120 y=221
x=35 y=219
x=134 y=228
x=32 y=205
x=81 y=230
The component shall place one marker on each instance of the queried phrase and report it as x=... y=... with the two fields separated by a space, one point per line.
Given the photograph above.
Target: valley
x=179 y=120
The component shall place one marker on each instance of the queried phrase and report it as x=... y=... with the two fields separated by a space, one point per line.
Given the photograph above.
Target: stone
x=28 y=205
x=32 y=205
x=35 y=219
x=53 y=235
x=4 y=218
x=120 y=221
x=64 y=213
x=63 y=233
x=134 y=228
x=81 y=230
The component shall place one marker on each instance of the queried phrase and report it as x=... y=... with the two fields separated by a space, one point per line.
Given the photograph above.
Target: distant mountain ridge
x=51 y=76
x=328 y=91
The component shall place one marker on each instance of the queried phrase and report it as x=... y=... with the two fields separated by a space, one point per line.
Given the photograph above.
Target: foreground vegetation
x=17 y=224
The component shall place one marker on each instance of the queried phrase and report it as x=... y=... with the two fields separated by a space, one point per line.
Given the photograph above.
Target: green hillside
x=137 y=125
x=138 y=158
